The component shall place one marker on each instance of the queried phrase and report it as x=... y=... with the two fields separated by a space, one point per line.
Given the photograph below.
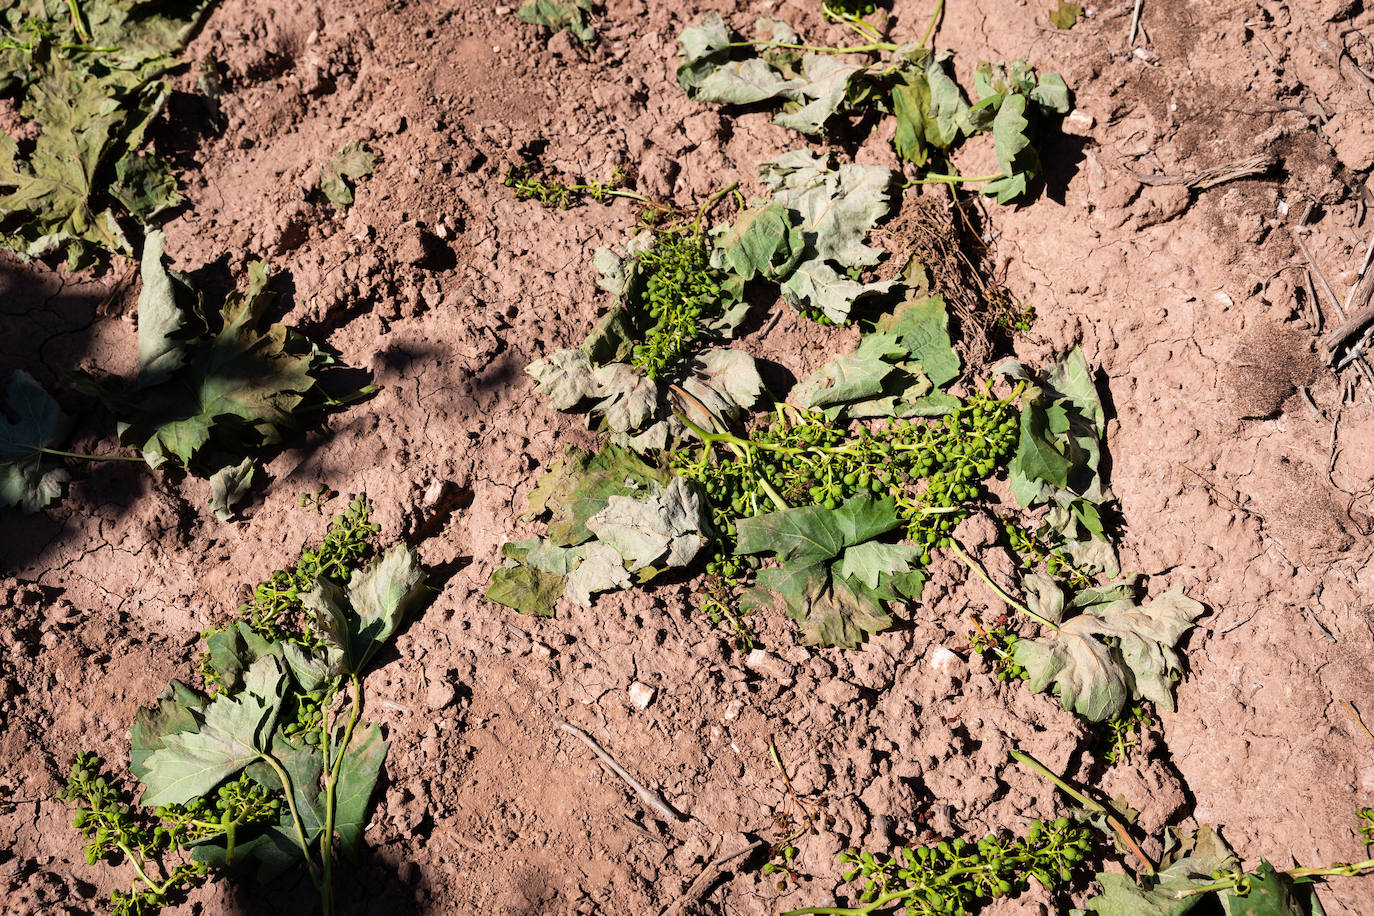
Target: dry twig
x=1249 y=167
x=650 y=798
x=708 y=876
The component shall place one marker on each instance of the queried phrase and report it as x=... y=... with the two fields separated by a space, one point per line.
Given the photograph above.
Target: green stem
x=79 y=21
x=366 y=391
x=137 y=863
x=331 y=782
x=1010 y=601
x=934 y=21
x=58 y=453
x=885 y=900
x=711 y=202
x=1026 y=760
x=819 y=49
x=1342 y=870
x=289 y=791
x=937 y=178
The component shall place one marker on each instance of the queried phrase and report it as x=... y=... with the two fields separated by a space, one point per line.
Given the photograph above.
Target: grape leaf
x=921 y=326
x=209 y=392
x=1189 y=862
x=39 y=424
x=829 y=610
x=353 y=161
x=579 y=485
x=558 y=15
x=835 y=208
x=931 y=110
x=233 y=732
x=664 y=528
x=830 y=607
x=91 y=104
x=823 y=89
x=1065 y=15
x=810 y=533
x=358 y=774
x=1059 y=453
x=850 y=377
x=175 y=712
x=565 y=378
x=761 y=242
x=870 y=561
x=379 y=598
x=816 y=285
x=229 y=486
x=601 y=569
x=1110 y=654
x=525 y=589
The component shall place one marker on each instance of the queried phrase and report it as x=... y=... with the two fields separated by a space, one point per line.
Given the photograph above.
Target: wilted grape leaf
x=1065 y=15
x=39 y=424
x=578 y=486
x=835 y=208
x=379 y=598
x=352 y=162
x=661 y=529
x=818 y=286
x=229 y=486
x=558 y=15
x=1110 y=654
x=91 y=103
x=208 y=392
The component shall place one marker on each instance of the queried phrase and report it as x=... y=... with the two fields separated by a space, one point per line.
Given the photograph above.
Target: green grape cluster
x=309 y=716
x=1122 y=734
x=682 y=293
x=113 y=833
x=563 y=195
x=347 y=545
x=844 y=9
x=241 y=803
x=1000 y=643
x=933 y=469
x=1366 y=828
x=1033 y=549
x=952 y=877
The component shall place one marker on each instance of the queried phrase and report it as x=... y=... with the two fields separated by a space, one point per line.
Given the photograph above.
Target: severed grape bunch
x=952 y=877
x=932 y=468
x=682 y=294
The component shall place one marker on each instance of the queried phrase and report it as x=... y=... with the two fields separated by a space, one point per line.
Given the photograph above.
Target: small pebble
x=641 y=695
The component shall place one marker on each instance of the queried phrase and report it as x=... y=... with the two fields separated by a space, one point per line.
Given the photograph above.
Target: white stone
x=641 y=695
x=944 y=661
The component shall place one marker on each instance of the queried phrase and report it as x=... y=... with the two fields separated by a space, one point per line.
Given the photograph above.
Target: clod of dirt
x=1267 y=367
x=1304 y=513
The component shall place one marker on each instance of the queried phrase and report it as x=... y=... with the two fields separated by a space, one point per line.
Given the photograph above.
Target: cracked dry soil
x=1244 y=466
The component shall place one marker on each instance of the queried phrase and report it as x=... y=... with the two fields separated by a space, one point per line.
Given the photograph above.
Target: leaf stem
x=1010 y=601
x=79 y=21
x=819 y=49
x=1026 y=760
x=289 y=792
x=58 y=453
x=929 y=33
x=1298 y=874
x=937 y=178
x=884 y=900
x=331 y=782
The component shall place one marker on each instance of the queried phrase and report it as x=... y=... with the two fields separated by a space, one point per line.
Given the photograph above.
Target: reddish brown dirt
x=1244 y=467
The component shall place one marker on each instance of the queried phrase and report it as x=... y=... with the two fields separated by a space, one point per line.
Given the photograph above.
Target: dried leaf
x=343 y=169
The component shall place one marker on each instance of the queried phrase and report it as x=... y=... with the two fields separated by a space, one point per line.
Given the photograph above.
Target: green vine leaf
x=233 y=732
